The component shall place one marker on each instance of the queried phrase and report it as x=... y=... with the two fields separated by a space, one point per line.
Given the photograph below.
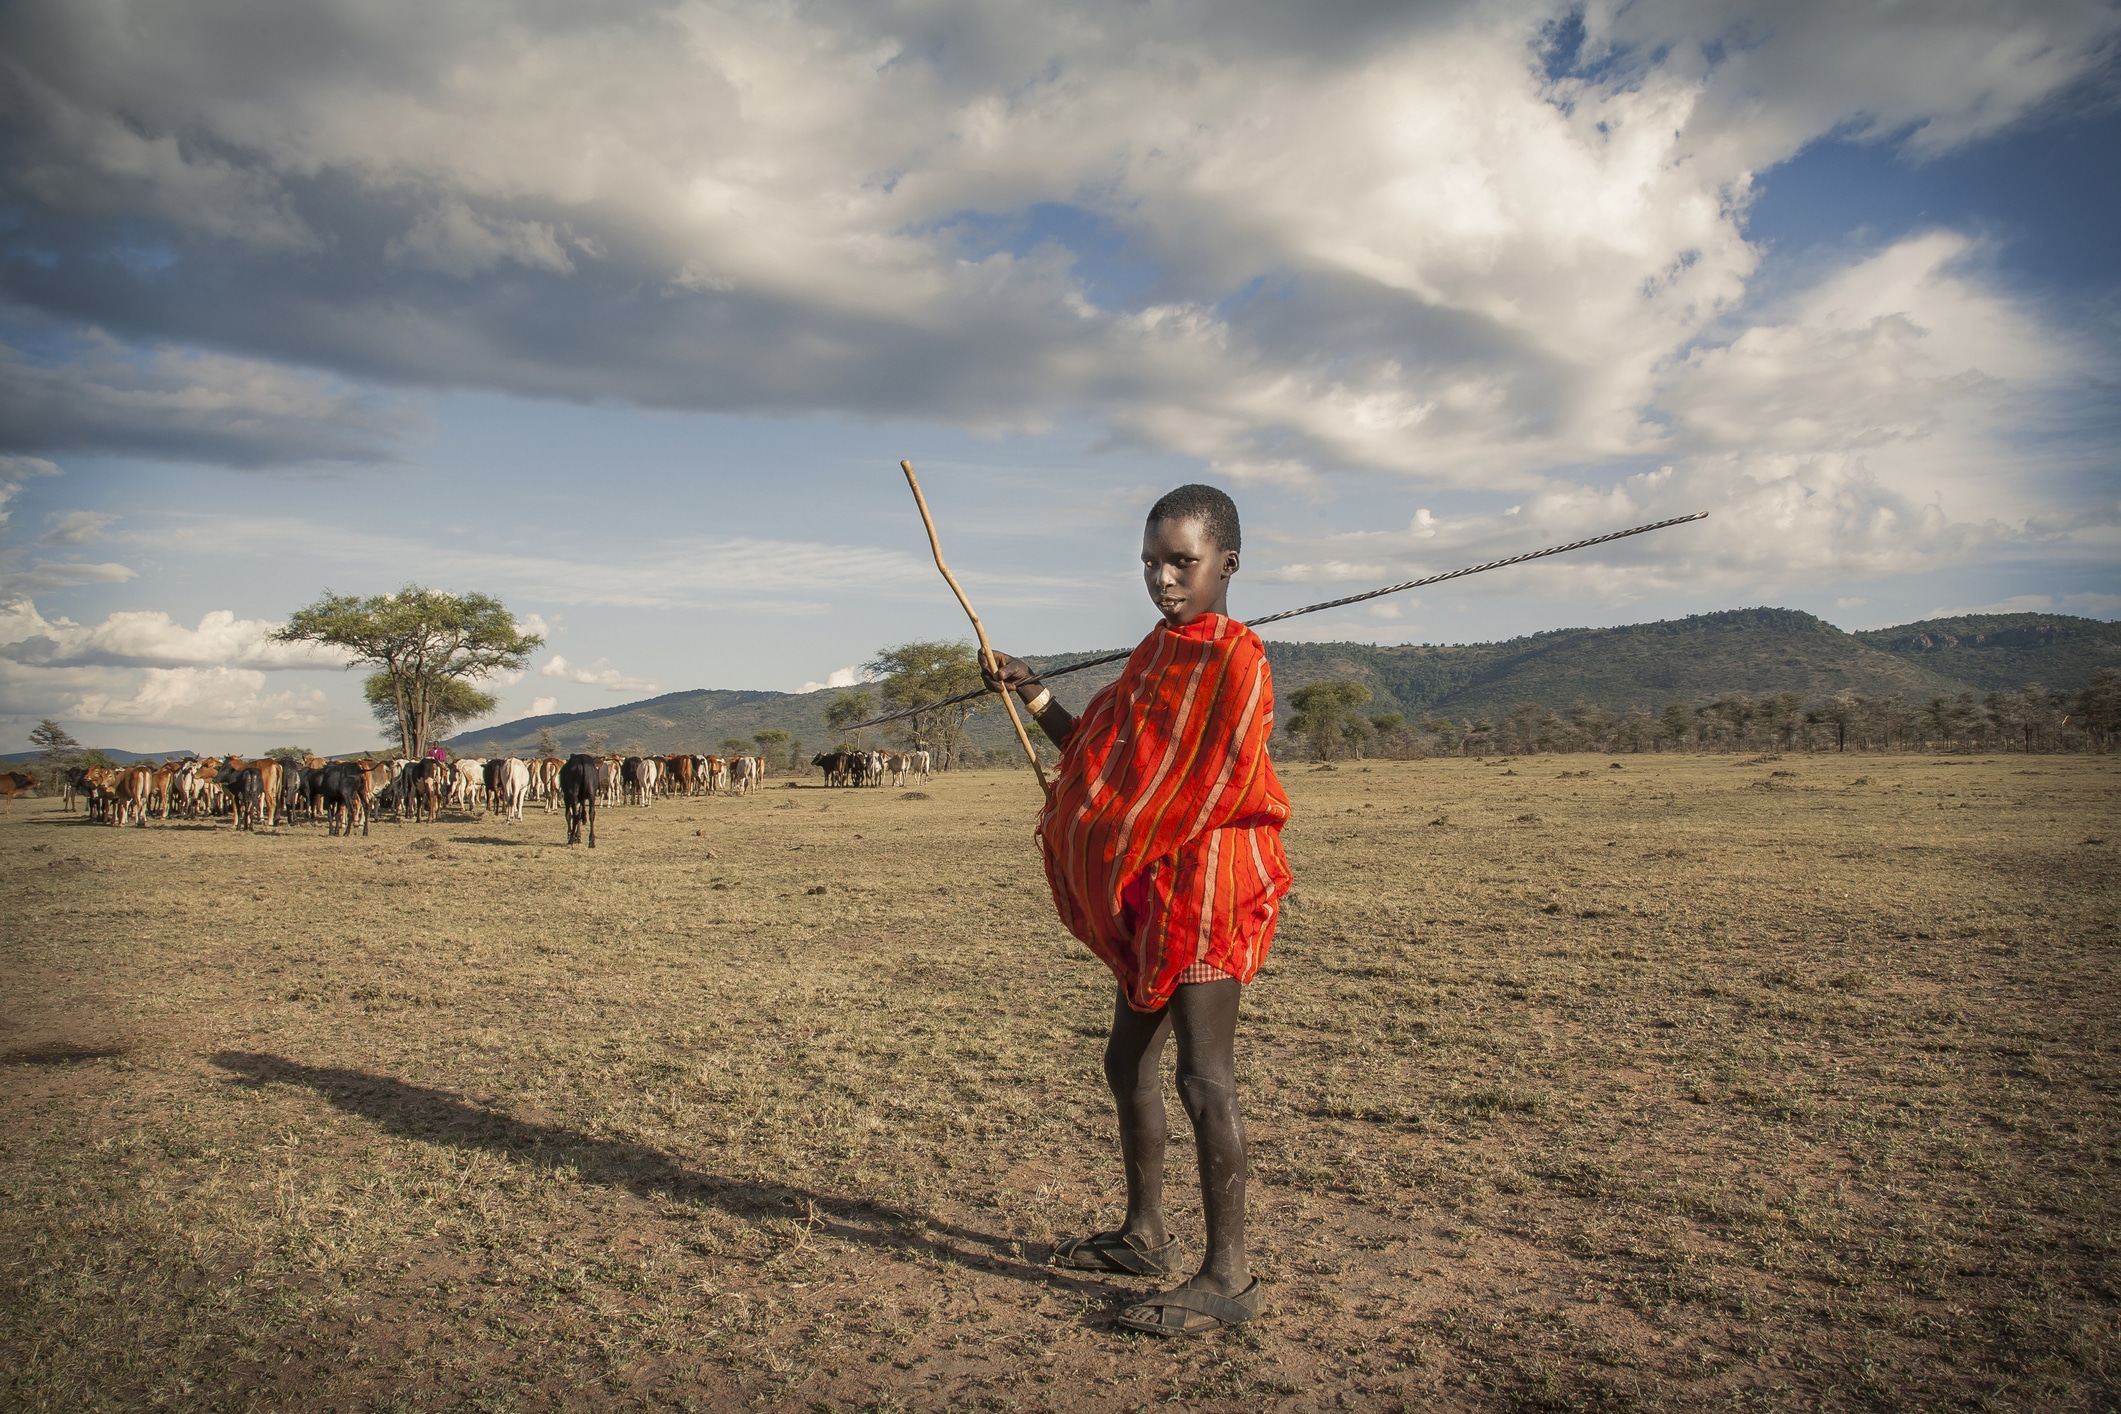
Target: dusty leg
x=1132 y=1058
x=1206 y=1023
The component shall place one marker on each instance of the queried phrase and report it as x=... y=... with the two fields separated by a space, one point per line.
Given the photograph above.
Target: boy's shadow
x=439 y=1117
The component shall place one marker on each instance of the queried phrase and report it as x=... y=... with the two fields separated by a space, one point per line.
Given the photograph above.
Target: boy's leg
x=1133 y=1057
x=1206 y=1022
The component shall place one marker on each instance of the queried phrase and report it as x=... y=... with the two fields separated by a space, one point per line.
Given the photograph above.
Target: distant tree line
x=1329 y=722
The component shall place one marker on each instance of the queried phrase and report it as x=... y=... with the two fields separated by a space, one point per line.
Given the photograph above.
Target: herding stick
x=986 y=650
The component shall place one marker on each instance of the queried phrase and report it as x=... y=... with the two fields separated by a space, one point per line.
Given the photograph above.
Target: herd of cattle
x=343 y=794
x=872 y=768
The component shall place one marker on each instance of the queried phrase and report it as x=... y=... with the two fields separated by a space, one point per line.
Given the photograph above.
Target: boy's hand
x=1013 y=673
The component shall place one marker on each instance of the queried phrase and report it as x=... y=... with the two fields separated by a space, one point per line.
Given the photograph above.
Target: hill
x=2002 y=651
x=1694 y=660
x=123 y=758
x=677 y=721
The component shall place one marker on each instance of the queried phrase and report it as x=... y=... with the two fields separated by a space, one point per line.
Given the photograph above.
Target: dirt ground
x=1573 y=1082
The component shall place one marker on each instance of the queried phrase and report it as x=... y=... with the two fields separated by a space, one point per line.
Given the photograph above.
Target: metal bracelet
x=1041 y=702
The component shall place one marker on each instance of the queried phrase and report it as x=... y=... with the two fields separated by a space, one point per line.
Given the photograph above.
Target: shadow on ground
x=439 y=1117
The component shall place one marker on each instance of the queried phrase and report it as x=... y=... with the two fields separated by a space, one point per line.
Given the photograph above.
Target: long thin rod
x=1334 y=604
x=986 y=650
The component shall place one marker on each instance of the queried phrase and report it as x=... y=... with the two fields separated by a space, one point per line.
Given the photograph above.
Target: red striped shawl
x=1162 y=832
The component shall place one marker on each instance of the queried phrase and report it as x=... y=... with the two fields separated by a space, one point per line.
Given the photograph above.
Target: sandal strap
x=1140 y=1258
x=1120 y=1251
x=1230 y=1310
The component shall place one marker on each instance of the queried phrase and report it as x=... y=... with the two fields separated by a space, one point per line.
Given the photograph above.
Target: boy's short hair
x=1212 y=508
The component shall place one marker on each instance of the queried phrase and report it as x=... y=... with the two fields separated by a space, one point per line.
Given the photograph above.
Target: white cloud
x=227 y=699
x=75 y=527
x=56 y=574
x=596 y=675
x=534 y=624
x=1856 y=432
x=144 y=638
x=544 y=706
x=14 y=471
x=1413 y=239
x=1378 y=236
x=1322 y=572
x=838 y=677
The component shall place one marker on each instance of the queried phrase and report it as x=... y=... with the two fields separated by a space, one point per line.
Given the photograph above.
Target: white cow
x=512 y=788
x=743 y=774
x=467 y=782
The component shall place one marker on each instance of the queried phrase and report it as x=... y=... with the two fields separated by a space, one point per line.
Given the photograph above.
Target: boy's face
x=1187 y=573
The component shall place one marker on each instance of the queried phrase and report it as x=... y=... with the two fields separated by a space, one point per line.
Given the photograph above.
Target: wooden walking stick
x=986 y=650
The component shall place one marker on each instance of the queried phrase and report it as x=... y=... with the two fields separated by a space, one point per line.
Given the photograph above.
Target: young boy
x=1162 y=838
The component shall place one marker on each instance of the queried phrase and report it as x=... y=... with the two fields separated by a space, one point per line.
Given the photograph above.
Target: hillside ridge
x=1694 y=659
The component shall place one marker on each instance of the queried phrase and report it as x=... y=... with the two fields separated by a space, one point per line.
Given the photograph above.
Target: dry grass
x=1786 y=1084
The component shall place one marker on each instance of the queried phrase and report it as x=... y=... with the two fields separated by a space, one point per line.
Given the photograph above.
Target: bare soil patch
x=1643 y=1089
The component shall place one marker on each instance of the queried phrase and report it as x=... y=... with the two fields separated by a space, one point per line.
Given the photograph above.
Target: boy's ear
x=1229 y=563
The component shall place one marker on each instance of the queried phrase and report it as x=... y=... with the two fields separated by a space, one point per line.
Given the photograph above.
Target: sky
x=626 y=313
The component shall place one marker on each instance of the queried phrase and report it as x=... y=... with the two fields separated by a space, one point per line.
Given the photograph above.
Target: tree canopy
x=920 y=675
x=1325 y=712
x=57 y=749
x=849 y=708
x=430 y=647
x=453 y=703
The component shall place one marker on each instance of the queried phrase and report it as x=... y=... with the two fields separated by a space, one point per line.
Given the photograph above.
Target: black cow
x=308 y=791
x=843 y=768
x=342 y=788
x=578 y=790
x=246 y=788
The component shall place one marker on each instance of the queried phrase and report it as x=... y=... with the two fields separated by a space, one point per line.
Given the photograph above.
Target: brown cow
x=545 y=778
x=132 y=791
x=14 y=783
x=99 y=784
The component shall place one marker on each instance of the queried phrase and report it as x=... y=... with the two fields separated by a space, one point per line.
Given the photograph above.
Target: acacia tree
x=430 y=648
x=454 y=703
x=56 y=750
x=2097 y=709
x=849 y=708
x=920 y=675
x=1325 y=712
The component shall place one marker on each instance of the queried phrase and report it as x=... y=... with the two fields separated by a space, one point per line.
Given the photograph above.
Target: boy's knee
x=1209 y=1094
x=1127 y=1075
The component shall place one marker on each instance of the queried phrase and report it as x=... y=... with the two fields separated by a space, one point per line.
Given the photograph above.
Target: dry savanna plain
x=1572 y=1082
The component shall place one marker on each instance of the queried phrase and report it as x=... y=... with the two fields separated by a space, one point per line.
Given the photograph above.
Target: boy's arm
x=1056 y=721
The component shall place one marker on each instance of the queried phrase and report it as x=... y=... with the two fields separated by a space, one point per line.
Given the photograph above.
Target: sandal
x=1120 y=1252
x=1176 y=1312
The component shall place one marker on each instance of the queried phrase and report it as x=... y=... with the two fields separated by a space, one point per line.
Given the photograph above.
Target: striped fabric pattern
x=1162 y=832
